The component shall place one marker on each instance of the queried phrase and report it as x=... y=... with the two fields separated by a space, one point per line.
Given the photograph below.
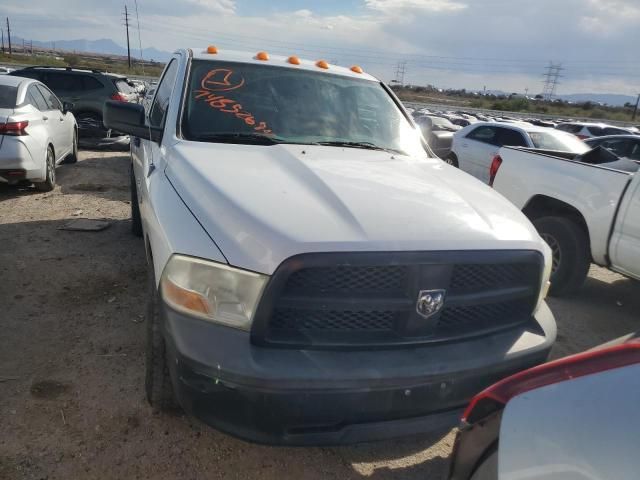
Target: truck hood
x=263 y=204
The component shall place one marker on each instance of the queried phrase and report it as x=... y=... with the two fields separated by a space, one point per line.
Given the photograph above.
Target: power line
x=139 y=38
x=126 y=24
x=551 y=76
x=285 y=48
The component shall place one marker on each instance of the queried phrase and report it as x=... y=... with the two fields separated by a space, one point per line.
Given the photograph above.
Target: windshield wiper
x=365 y=145
x=238 y=137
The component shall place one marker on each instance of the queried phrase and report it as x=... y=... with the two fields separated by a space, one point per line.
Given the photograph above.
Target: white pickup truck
x=586 y=207
x=316 y=277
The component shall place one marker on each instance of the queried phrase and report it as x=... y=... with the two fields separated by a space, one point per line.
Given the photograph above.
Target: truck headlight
x=212 y=291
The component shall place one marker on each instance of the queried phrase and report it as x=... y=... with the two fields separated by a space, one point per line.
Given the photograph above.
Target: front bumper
x=324 y=397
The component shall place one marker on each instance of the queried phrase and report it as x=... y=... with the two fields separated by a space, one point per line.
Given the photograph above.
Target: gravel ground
x=71 y=354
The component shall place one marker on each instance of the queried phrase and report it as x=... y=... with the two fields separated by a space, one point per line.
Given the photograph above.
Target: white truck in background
x=585 y=210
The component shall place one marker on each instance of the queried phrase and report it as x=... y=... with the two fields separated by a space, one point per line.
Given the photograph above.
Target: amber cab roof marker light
x=322 y=64
x=262 y=56
x=357 y=69
x=293 y=60
x=212 y=49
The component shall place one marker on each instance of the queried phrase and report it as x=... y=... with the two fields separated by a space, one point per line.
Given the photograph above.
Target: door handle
x=61 y=119
x=45 y=118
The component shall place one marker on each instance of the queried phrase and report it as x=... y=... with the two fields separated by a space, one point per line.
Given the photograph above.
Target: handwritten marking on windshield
x=224 y=80
x=221 y=80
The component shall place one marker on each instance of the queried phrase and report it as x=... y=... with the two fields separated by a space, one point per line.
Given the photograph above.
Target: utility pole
x=551 y=76
x=635 y=110
x=31 y=47
x=2 y=32
x=9 y=35
x=126 y=24
x=139 y=38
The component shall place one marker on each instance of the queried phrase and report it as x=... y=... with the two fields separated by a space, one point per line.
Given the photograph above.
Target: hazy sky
x=503 y=44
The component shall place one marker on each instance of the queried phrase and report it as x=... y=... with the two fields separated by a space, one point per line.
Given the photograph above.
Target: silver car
x=37 y=132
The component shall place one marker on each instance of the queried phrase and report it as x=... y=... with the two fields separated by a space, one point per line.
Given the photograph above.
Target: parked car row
x=87 y=90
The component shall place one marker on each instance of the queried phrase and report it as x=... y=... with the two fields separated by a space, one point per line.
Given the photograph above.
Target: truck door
x=148 y=155
x=624 y=248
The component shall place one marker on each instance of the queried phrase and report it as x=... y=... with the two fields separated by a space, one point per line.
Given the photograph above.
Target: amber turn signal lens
x=184 y=298
x=262 y=56
x=357 y=69
x=293 y=60
x=212 y=49
x=322 y=64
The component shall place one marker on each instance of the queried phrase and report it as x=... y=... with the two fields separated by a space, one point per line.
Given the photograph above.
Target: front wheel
x=50 y=176
x=136 y=220
x=73 y=156
x=158 y=386
x=452 y=160
x=571 y=257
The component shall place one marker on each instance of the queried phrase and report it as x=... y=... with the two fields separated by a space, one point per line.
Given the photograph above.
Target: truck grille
x=363 y=300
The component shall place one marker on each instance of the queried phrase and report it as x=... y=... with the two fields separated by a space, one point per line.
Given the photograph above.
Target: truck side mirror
x=129 y=118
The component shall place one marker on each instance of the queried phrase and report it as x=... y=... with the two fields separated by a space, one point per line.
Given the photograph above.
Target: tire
x=50 y=178
x=90 y=125
x=136 y=221
x=73 y=156
x=571 y=255
x=158 y=386
x=452 y=160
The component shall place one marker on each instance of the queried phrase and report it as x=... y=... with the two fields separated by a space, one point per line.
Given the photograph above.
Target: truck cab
x=316 y=275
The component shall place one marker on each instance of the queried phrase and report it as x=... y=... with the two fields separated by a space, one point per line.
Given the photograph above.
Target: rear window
x=597 y=131
x=8 y=96
x=123 y=86
x=559 y=141
x=569 y=127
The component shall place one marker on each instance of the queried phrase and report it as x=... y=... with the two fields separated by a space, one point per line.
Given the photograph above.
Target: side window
x=619 y=147
x=613 y=131
x=52 y=101
x=511 y=138
x=36 y=99
x=483 y=134
x=163 y=93
x=90 y=83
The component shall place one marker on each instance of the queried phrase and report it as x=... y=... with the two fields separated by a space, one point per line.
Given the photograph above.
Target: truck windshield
x=246 y=103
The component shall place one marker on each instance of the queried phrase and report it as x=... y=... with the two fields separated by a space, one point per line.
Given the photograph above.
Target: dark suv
x=87 y=90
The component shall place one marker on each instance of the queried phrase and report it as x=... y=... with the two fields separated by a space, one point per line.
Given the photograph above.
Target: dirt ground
x=71 y=354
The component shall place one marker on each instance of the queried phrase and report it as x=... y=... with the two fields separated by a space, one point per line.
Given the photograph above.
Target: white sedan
x=474 y=146
x=37 y=132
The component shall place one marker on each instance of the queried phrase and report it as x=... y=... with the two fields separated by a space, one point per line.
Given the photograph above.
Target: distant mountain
x=608 y=98
x=104 y=46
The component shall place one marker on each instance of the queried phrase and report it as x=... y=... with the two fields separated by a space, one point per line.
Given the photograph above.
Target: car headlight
x=212 y=291
x=546 y=275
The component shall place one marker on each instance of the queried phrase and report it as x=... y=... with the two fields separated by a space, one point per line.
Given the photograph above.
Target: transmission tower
x=551 y=76
x=401 y=69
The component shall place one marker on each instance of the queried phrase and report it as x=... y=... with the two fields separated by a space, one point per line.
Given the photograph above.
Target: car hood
x=263 y=204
